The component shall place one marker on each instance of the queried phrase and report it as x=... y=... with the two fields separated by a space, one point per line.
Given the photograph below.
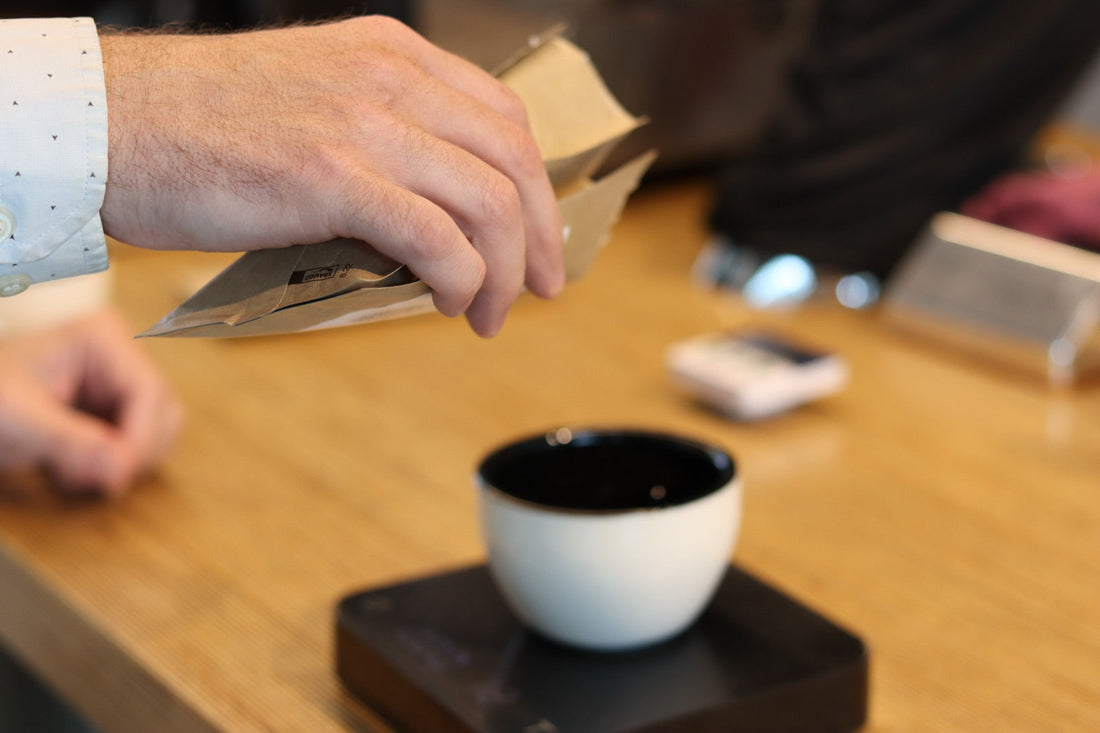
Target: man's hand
x=356 y=129
x=84 y=402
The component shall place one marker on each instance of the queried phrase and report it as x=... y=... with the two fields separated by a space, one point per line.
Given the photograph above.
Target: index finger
x=541 y=216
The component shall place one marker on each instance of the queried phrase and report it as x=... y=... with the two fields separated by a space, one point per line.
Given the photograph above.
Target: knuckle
x=511 y=105
x=378 y=54
x=499 y=201
x=523 y=154
x=379 y=25
x=390 y=25
x=417 y=147
x=432 y=234
x=381 y=80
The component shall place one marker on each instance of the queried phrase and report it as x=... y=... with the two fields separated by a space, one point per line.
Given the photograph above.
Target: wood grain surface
x=944 y=509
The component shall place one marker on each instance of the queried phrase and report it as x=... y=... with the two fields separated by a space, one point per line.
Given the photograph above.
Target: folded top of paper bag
x=575 y=121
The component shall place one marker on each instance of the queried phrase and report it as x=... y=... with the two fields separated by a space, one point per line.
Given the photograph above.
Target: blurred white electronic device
x=753 y=375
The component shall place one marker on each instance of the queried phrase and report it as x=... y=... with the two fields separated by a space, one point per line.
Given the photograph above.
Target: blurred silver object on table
x=1025 y=301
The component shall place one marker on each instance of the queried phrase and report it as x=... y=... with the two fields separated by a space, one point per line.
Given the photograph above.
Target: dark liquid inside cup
x=607 y=471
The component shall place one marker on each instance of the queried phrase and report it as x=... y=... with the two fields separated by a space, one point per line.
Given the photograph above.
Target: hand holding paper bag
x=359 y=128
x=575 y=121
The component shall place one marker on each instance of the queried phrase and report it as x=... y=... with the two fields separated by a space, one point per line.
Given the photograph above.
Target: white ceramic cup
x=608 y=539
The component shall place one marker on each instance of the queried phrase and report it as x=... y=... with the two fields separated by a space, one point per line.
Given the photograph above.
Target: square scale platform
x=443 y=654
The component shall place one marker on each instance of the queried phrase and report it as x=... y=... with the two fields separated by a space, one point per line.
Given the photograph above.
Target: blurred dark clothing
x=897 y=109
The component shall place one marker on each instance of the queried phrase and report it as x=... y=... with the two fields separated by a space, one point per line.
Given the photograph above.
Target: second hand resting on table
x=84 y=402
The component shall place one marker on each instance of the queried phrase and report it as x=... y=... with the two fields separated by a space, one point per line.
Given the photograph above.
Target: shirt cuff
x=53 y=136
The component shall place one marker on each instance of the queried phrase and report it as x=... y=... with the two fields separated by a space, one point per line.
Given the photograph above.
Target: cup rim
x=726 y=476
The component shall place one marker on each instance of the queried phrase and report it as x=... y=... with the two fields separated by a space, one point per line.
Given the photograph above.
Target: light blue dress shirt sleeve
x=53 y=151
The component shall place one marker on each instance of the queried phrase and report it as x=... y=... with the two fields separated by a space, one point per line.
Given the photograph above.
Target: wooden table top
x=946 y=511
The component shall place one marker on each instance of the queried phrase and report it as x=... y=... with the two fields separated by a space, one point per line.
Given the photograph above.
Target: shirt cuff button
x=14 y=284
x=7 y=223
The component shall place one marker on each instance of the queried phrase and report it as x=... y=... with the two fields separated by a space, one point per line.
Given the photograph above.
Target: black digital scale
x=443 y=654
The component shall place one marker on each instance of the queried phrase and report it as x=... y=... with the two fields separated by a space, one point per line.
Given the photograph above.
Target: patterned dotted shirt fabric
x=53 y=148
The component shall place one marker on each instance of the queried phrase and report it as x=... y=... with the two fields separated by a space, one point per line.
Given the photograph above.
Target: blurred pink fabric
x=1065 y=209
